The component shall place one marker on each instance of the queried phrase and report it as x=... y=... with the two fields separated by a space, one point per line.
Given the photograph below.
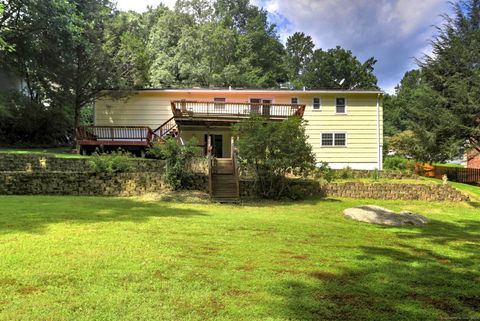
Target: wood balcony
x=193 y=111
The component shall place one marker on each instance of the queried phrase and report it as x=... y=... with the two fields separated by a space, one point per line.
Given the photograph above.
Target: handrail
x=192 y=108
x=165 y=128
x=114 y=133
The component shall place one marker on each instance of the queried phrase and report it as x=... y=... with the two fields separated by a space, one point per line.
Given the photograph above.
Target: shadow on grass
x=34 y=213
x=431 y=273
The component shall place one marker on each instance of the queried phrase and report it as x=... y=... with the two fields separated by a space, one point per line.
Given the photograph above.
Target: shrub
x=273 y=150
x=345 y=173
x=31 y=123
x=112 y=162
x=375 y=174
x=178 y=158
x=395 y=163
x=324 y=172
x=157 y=150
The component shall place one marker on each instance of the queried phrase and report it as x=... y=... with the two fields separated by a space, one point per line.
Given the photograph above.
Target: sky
x=393 y=31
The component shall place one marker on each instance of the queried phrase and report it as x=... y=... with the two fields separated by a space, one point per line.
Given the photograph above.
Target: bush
x=375 y=174
x=24 y=122
x=345 y=173
x=273 y=150
x=109 y=163
x=324 y=172
x=395 y=163
x=157 y=150
x=178 y=158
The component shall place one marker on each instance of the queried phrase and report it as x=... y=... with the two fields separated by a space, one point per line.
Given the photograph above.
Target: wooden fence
x=454 y=174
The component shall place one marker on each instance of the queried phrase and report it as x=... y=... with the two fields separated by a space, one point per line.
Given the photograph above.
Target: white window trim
x=320 y=107
x=346 y=106
x=333 y=138
x=298 y=100
x=219 y=104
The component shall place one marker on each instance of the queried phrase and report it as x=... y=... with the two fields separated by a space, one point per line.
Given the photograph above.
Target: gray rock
x=378 y=215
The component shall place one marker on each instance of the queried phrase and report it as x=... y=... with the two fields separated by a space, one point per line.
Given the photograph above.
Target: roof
x=258 y=90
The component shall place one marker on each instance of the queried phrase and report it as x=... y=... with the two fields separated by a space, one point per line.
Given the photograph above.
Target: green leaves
x=338 y=69
x=273 y=150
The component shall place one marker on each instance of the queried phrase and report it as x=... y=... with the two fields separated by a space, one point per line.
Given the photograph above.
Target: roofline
x=254 y=91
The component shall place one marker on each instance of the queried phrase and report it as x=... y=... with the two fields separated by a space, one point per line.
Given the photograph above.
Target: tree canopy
x=440 y=102
x=68 y=52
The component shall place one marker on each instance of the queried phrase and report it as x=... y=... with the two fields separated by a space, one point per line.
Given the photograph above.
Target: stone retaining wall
x=384 y=191
x=77 y=183
x=46 y=163
x=424 y=192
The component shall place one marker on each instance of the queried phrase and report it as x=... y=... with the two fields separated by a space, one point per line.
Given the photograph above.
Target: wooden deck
x=199 y=112
x=126 y=137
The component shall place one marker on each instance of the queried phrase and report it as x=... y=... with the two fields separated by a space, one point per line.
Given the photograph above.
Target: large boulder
x=379 y=215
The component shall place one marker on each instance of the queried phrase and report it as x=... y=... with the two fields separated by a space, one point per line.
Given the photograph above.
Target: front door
x=217 y=145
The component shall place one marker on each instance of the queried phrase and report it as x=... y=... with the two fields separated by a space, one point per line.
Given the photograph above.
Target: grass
x=61 y=152
x=93 y=258
x=419 y=180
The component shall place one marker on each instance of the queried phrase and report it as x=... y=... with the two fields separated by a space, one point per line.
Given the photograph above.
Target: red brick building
x=473 y=160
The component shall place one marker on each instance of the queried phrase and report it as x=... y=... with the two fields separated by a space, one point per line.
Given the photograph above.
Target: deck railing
x=115 y=133
x=215 y=109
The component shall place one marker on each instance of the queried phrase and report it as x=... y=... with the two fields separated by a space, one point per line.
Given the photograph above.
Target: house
x=473 y=159
x=345 y=127
x=10 y=81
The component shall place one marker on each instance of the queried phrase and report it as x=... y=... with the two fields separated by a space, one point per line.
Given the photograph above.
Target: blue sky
x=392 y=31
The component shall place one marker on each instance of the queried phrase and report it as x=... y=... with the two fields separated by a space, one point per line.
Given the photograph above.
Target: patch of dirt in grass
x=288 y=271
x=287 y=252
x=28 y=290
x=246 y=268
x=159 y=275
x=442 y=304
x=300 y=257
x=178 y=197
x=238 y=293
x=206 y=250
x=5 y=282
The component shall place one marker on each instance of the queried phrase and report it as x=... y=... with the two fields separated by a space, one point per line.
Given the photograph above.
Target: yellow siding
x=360 y=122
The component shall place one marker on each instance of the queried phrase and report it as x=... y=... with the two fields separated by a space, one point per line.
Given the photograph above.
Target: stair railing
x=165 y=128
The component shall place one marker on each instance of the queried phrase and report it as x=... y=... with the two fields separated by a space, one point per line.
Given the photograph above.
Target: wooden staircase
x=224 y=184
x=167 y=129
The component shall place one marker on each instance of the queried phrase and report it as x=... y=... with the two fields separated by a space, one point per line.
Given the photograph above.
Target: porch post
x=209 y=145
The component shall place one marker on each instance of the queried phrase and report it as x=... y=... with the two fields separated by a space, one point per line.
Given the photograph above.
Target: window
x=340 y=139
x=334 y=139
x=218 y=102
x=327 y=139
x=340 y=105
x=294 y=100
x=316 y=103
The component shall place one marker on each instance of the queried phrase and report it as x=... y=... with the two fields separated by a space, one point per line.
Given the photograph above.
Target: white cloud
x=393 y=31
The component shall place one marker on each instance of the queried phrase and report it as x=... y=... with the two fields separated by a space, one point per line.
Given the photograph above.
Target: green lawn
x=62 y=152
x=87 y=258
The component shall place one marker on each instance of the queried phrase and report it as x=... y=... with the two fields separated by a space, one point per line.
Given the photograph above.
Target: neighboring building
x=10 y=81
x=345 y=128
x=473 y=159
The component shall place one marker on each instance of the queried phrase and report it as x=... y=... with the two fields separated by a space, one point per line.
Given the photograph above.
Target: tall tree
x=338 y=69
x=453 y=76
x=299 y=49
